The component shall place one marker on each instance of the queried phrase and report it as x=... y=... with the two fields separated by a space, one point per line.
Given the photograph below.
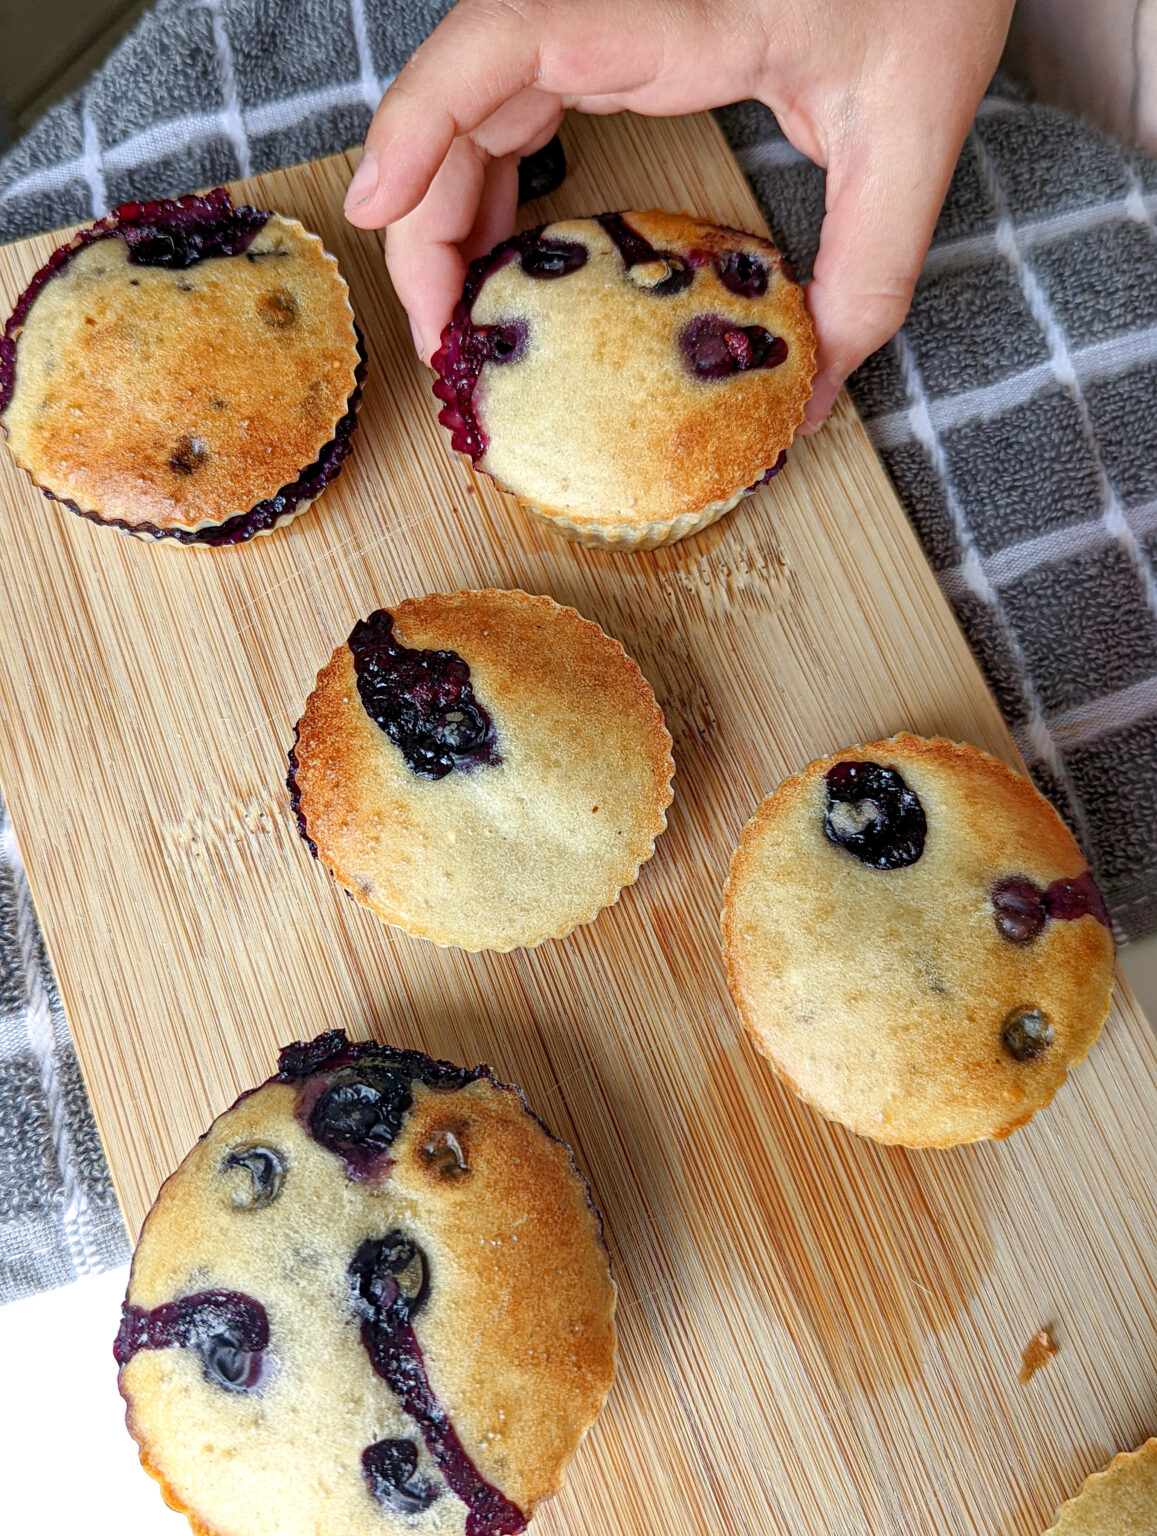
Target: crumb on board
x=1036 y=1354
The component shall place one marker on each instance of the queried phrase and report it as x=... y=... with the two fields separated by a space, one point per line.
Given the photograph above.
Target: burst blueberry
x=390 y=1468
x=1027 y=1034
x=715 y=347
x=266 y=1169
x=742 y=274
x=423 y=700
x=873 y=814
x=228 y=1330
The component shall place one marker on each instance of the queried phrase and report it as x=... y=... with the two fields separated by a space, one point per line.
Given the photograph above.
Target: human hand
x=879 y=92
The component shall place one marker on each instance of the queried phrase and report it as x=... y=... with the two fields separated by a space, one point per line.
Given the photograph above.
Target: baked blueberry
x=874 y=815
x=377 y=1349
x=484 y=769
x=659 y=369
x=423 y=700
x=914 y=941
x=542 y=172
x=184 y=369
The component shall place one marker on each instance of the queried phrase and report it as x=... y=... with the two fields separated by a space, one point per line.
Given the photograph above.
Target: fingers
x=485 y=63
x=884 y=191
x=426 y=267
x=469 y=208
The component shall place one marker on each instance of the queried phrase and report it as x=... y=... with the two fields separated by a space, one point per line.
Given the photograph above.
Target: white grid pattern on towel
x=1061 y=362
x=1098 y=360
x=91 y=163
x=231 y=117
x=39 y=1037
x=1034 y=738
x=160 y=139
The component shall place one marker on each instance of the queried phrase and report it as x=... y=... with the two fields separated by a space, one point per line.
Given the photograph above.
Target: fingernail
x=419 y=344
x=825 y=388
x=364 y=183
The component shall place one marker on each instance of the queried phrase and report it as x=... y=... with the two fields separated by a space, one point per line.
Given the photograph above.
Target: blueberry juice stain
x=466 y=348
x=423 y=700
x=389 y=1283
x=229 y=1331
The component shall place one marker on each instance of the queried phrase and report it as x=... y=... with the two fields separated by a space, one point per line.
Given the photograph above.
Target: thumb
x=883 y=196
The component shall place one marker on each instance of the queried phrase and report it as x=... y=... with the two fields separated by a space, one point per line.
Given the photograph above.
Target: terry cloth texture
x=1016 y=412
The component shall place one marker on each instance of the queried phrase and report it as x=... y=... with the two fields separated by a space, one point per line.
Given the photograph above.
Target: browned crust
x=1079 y=954
x=550 y=679
x=259 y=398
x=692 y=444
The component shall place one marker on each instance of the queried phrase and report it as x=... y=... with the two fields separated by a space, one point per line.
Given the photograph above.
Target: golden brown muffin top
x=506 y=854
x=600 y=418
x=1119 y=1501
x=882 y=996
x=516 y=1329
x=181 y=398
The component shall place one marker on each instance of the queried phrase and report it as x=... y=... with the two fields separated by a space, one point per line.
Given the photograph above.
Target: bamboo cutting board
x=818 y=1335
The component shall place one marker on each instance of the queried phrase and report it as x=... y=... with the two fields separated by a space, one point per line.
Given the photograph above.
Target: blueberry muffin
x=484 y=769
x=184 y=370
x=916 y=943
x=373 y=1299
x=629 y=377
x=1120 y=1501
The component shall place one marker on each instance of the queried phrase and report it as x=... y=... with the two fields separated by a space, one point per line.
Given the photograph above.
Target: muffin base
x=626 y=537
x=955 y=1116
x=331 y=828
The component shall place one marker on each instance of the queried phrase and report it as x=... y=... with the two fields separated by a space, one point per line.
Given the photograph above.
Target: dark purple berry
x=423 y=700
x=360 y=1114
x=1027 y=1034
x=389 y=1275
x=390 y=1469
x=305 y=1057
x=1080 y=897
x=715 y=348
x=1019 y=909
x=178 y=234
x=542 y=172
x=742 y=274
x=266 y=1170
x=553 y=258
x=872 y=814
x=504 y=343
x=228 y=1363
x=229 y=1331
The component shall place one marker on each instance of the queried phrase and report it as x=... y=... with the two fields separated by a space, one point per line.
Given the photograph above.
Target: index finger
x=479 y=57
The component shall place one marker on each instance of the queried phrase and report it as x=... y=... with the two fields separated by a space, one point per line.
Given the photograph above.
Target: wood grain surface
x=818 y=1335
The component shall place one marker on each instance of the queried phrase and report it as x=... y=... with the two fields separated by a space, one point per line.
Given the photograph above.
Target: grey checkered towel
x=1016 y=412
